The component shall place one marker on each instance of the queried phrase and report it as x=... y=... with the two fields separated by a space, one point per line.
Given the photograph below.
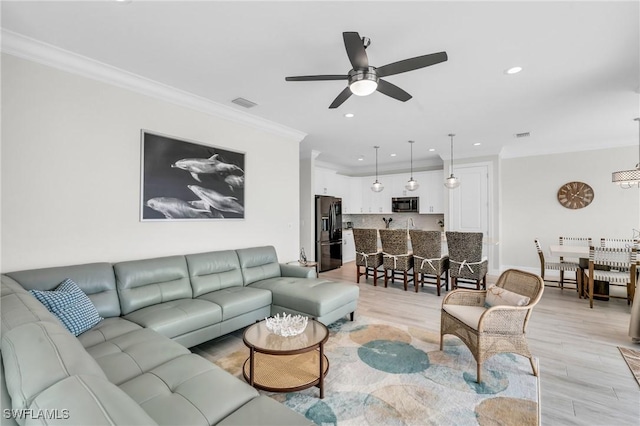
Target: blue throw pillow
x=71 y=305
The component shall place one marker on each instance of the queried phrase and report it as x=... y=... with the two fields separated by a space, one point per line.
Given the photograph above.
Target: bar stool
x=395 y=254
x=428 y=259
x=367 y=253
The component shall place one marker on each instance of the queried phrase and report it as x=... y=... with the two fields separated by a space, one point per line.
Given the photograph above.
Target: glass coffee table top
x=261 y=339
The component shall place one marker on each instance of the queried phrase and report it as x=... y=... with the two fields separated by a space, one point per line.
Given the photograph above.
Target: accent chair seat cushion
x=177 y=317
x=236 y=301
x=470 y=315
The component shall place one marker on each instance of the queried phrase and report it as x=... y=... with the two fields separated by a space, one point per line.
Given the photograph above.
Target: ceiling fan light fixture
x=363 y=87
x=363 y=82
x=629 y=178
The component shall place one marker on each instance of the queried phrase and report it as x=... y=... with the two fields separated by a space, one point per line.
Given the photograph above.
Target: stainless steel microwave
x=404 y=205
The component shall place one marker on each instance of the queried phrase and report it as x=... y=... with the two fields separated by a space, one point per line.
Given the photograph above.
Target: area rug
x=389 y=374
x=632 y=358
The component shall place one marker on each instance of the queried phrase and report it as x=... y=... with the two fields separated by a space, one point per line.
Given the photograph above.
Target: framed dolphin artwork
x=186 y=180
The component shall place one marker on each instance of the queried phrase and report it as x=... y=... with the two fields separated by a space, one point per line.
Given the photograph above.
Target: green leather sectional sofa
x=134 y=367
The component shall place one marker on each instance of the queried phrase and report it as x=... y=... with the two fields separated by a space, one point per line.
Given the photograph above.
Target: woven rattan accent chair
x=367 y=253
x=559 y=265
x=615 y=265
x=428 y=259
x=498 y=329
x=465 y=259
x=395 y=255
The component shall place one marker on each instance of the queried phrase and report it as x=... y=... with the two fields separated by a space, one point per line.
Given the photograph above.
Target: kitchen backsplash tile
x=427 y=222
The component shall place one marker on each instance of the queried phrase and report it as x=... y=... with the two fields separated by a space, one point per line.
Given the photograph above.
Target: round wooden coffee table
x=286 y=364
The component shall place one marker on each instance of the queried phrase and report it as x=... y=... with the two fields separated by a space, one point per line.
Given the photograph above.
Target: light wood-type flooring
x=583 y=378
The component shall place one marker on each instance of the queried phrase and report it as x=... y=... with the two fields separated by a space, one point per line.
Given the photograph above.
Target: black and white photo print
x=184 y=180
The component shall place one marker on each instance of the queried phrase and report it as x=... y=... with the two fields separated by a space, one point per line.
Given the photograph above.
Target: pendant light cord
x=376 y=147
x=451 y=135
x=411 y=143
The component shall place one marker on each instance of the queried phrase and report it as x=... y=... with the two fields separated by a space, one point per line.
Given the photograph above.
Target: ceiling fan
x=364 y=79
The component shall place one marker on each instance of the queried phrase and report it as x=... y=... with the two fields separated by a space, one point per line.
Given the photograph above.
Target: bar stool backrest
x=426 y=244
x=366 y=240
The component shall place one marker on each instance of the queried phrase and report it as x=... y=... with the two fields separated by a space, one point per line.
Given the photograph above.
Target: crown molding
x=36 y=51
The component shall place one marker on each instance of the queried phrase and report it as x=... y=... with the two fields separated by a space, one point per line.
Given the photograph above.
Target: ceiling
x=579 y=88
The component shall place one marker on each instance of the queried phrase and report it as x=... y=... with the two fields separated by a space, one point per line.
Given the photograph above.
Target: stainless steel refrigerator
x=328 y=232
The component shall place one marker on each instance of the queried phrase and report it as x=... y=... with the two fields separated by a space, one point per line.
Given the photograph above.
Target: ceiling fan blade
x=411 y=64
x=393 y=91
x=355 y=50
x=339 y=100
x=317 y=77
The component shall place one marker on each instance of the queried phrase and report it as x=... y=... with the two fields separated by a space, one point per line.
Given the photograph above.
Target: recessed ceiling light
x=513 y=70
x=477 y=144
x=431 y=149
x=393 y=155
x=361 y=158
x=349 y=115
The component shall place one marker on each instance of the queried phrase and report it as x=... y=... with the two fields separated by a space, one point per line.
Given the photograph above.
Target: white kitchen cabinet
x=320 y=181
x=328 y=182
x=374 y=202
x=432 y=192
x=396 y=185
x=348 y=246
x=352 y=203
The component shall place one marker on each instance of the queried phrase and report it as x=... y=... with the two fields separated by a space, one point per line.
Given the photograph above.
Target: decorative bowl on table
x=286 y=325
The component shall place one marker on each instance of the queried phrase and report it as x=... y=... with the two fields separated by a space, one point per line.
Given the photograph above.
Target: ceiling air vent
x=523 y=135
x=244 y=102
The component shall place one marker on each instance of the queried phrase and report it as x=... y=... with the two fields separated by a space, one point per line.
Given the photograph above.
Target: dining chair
x=619 y=242
x=495 y=320
x=560 y=265
x=428 y=260
x=466 y=263
x=396 y=257
x=615 y=265
x=367 y=253
x=574 y=241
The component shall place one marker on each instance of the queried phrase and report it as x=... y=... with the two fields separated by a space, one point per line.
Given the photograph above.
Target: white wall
x=307 y=208
x=71 y=174
x=529 y=208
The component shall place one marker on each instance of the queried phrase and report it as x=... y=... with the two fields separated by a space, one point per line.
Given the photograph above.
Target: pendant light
x=412 y=185
x=377 y=186
x=629 y=178
x=451 y=182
